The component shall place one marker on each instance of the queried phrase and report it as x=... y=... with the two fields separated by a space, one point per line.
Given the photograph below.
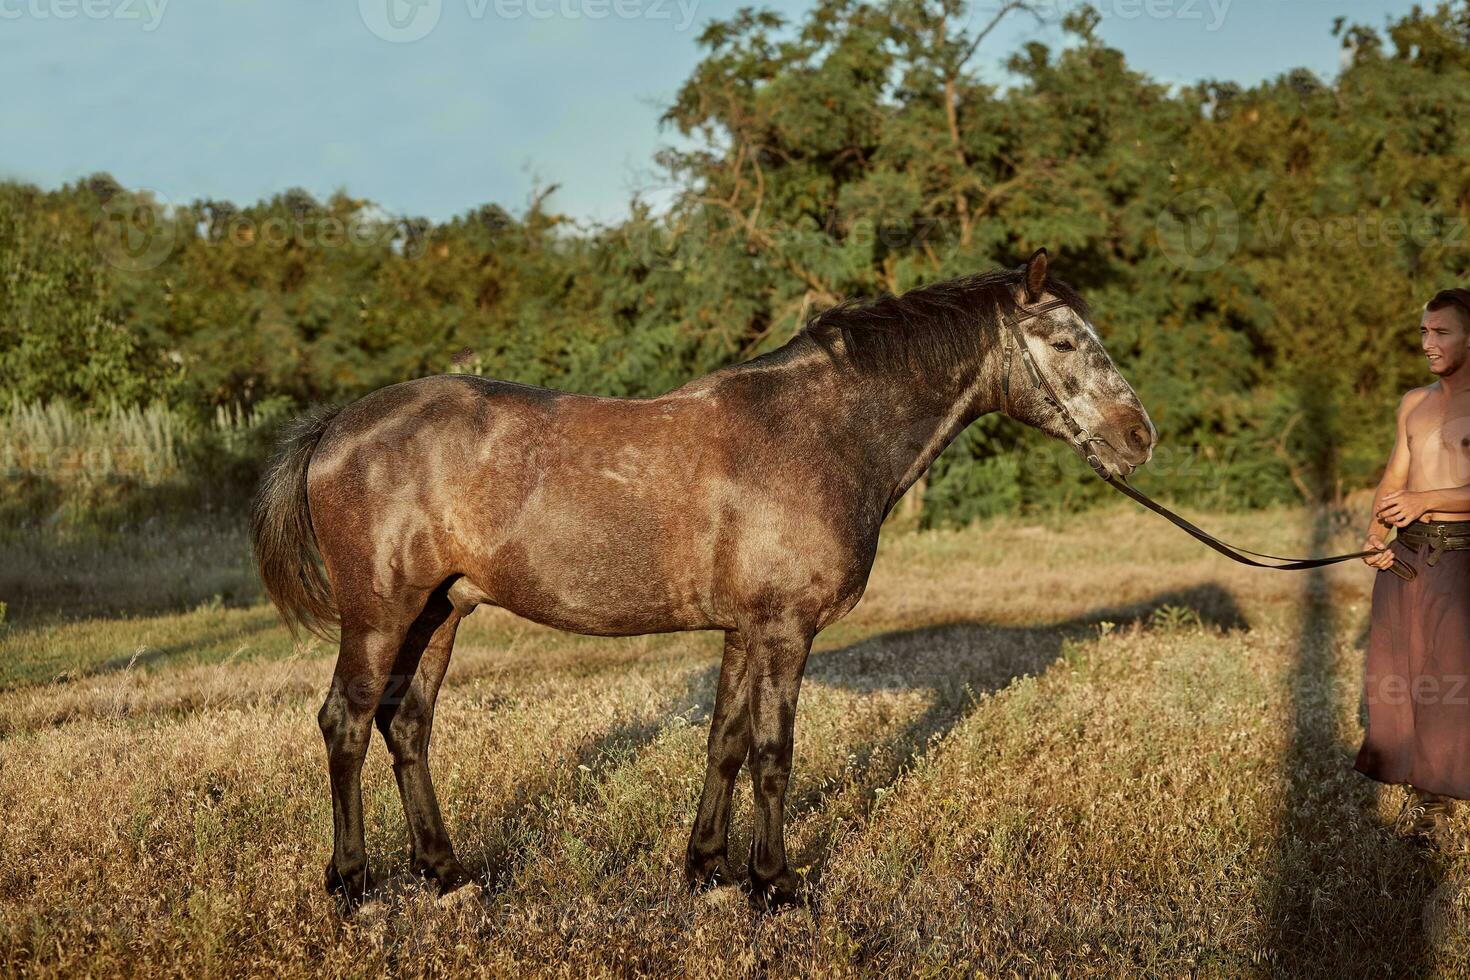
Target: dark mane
x=929 y=328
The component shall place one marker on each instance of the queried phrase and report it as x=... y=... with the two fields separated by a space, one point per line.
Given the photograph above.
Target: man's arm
x=1406 y=506
x=1395 y=478
x=1454 y=499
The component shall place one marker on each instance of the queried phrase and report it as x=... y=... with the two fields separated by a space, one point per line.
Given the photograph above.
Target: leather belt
x=1440 y=536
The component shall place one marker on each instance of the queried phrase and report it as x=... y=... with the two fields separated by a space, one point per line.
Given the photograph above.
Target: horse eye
x=1063 y=345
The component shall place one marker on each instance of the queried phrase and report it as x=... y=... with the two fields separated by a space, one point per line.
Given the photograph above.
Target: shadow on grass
x=50 y=577
x=152 y=656
x=958 y=663
x=1350 y=897
x=496 y=865
x=73 y=657
x=954 y=662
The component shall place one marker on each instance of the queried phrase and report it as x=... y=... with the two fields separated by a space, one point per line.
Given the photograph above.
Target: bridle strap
x=1014 y=341
x=1405 y=572
x=1082 y=439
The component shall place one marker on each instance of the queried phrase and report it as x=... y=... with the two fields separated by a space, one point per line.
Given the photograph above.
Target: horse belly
x=605 y=580
x=612 y=528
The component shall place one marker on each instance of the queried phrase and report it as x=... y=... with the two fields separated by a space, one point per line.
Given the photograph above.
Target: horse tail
x=281 y=534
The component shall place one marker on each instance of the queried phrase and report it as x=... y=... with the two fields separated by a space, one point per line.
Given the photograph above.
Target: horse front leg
x=706 y=863
x=776 y=657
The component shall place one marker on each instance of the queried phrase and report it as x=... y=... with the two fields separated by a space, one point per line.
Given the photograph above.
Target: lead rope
x=1405 y=572
x=1082 y=439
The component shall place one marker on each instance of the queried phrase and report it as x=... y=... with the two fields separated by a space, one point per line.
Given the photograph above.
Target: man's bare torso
x=1438 y=428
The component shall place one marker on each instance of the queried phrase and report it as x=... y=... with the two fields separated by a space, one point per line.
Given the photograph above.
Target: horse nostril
x=1139 y=437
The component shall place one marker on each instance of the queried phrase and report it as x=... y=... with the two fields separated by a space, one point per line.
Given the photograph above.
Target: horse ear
x=1035 y=275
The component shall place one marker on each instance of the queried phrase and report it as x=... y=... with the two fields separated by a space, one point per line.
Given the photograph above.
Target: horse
x=747 y=501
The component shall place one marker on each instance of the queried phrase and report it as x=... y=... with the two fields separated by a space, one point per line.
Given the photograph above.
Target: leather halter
x=1083 y=440
x=1014 y=341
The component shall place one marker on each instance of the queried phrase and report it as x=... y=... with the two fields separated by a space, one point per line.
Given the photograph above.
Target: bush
x=64 y=467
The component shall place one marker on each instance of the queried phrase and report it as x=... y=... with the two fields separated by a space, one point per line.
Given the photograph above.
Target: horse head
x=1058 y=377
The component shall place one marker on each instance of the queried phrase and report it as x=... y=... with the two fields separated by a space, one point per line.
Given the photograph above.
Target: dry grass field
x=1091 y=748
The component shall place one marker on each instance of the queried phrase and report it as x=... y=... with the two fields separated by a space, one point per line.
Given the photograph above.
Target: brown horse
x=747 y=501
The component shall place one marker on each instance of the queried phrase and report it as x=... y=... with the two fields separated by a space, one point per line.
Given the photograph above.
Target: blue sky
x=239 y=99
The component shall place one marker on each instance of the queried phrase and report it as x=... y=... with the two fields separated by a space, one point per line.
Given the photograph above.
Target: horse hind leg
x=405 y=717
x=364 y=660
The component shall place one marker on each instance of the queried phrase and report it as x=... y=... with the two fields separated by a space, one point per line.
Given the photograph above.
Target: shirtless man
x=1417 y=680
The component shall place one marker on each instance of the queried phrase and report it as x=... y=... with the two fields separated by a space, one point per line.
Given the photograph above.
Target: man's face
x=1445 y=340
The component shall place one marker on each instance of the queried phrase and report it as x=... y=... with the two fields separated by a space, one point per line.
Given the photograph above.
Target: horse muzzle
x=1120 y=448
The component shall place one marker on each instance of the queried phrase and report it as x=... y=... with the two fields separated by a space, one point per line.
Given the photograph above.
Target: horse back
x=598 y=515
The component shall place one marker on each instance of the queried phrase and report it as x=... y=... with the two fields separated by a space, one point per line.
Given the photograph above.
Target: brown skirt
x=1417 y=678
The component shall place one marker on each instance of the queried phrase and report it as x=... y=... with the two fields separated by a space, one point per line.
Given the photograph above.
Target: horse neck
x=902 y=416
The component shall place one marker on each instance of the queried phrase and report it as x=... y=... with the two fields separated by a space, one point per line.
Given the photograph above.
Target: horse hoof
x=446 y=876
x=704 y=874
x=351 y=887
x=782 y=891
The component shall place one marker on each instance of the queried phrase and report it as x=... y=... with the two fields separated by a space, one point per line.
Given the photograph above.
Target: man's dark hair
x=1458 y=298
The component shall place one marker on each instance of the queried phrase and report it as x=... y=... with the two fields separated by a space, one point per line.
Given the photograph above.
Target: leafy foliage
x=1256 y=257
